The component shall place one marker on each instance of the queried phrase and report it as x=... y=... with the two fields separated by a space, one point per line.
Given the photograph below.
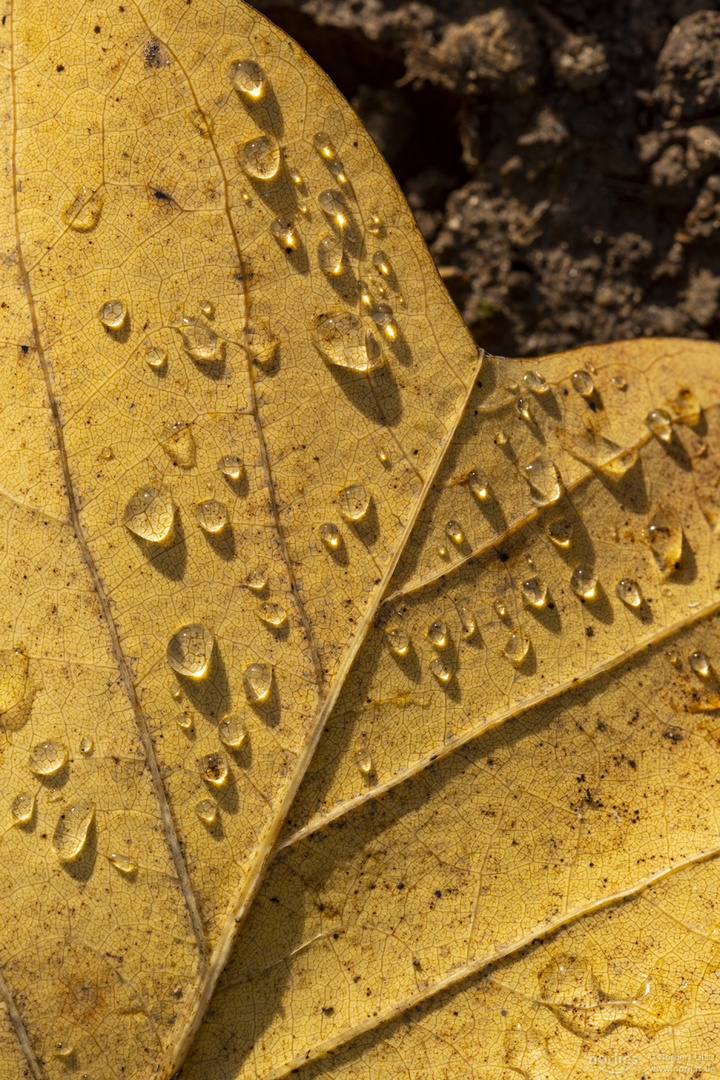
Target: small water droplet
x=232 y=732
x=664 y=534
x=533 y=380
x=272 y=614
x=281 y=229
x=438 y=634
x=260 y=158
x=382 y=316
x=258 y=682
x=442 y=671
x=256 y=579
x=214 y=768
x=22 y=808
x=523 y=407
x=381 y=263
x=330 y=255
x=330 y=535
x=190 y=650
x=211 y=515
x=660 y=424
x=343 y=340
x=544 y=479
x=338 y=171
x=500 y=438
x=150 y=513
x=467 y=621
x=155 y=356
x=260 y=342
x=324 y=146
x=517 y=646
x=499 y=608
x=560 y=532
x=534 y=592
x=123 y=863
x=478 y=485
x=113 y=313
x=206 y=810
x=178 y=443
x=107 y=453
x=583 y=382
x=583 y=583
x=628 y=590
x=673 y=657
x=207 y=308
x=47 y=758
x=64 y=1050
x=619 y=382
x=700 y=664
x=185 y=719
x=383 y=456
x=295 y=176
x=199 y=340
x=231 y=466
x=72 y=829
x=687 y=407
x=247 y=77
x=442 y=551
x=84 y=211
x=364 y=761
x=375 y=224
x=334 y=205
x=398 y=641
x=86 y=744
x=353 y=502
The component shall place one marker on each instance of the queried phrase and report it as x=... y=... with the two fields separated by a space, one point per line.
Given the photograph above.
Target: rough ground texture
x=562 y=160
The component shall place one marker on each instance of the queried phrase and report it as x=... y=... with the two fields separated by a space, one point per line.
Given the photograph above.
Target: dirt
x=562 y=160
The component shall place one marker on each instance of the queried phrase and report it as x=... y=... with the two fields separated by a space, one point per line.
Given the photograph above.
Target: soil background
x=562 y=159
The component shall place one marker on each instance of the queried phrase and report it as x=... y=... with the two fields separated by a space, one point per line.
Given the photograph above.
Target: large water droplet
x=231 y=466
x=330 y=255
x=583 y=583
x=72 y=829
x=343 y=340
x=47 y=758
x=155 y=356
x=364 y=761
x=544 y=480
x=84 y=211
x=199 y=340
x=442 y=671
x=232 y=732
x=330 y=535
x=438 y=634
x=178 y=443
x=247 y=77
x=478 y=485
x=190 y=649
x=582 y=381
x=272 y=614
x=454 y=532
x=260 y=158
x=22 y=808
x=534 y=592
x=206 y=810
x=664 y=535
x=123 y=863
x=516 y=647
x=112 y=314
x=628 y=590
x=560 y=532
x=258 y=682
x=533 y=380
x=256 y=580
x=150 y=513
x=334 y=205
x=211 y=515
x=353 y=502
x=660 y=424
x=398 y=641
x=214 y=768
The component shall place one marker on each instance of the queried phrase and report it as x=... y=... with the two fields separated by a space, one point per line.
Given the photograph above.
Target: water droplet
x=516 y=647
x=324 y=146
x=113 y=313
x=334 y=205
x=86 y=744
x=544 y=480
x=155 y=356
x=583 y=583
x=64 y=1050
x=214 y=768
x=582 y=381
x=442 y=551
x=673 y=657
x=272 y=614
x=398 y=641
x=190 y=649
x=256 y=579
x=619 y=382
x=660 y=424
x=330 y=535
x=533 y=380
x=211 y=515
x=185 y=719
x=232 y=732
x=247 y=77
x=438 y=634
x=84 y=211
x=107 y=453
x=375 y=224
x=282 y=231
x=123 y=863
x=338 y=171
x=178 y=443
x=382 y=316
x=500 y=438
x=523 y=407
x=560 y=532
x=364 y=761
x=47 y=758
x=709 y=503
x=700 y=664
x=467 y=621
x=295 y=176
x=330 y=255
x=344 y=341
x=199 y=340
x=231 y=466
x=499 y=608
x=72 y=829
x=664 y=535
x=207 y=308
x=258 y=682
x=260 y=342
x=383 y=457
x=442 y=672
x=381 y=263
x=628 y=590
x=534 y=592
x=260 y=158
x=22 y=808
x=687 y=407
x=478 y=485
x=353 y=502
x=150 y=513
x=206 y=810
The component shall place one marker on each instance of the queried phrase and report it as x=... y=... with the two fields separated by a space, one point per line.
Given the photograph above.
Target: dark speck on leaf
x=153 y=54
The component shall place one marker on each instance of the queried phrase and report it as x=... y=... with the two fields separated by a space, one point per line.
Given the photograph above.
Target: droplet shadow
x=223 y=543
x=81 y=868
x=210 y=696
x=265 y=110
x=170 y=556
